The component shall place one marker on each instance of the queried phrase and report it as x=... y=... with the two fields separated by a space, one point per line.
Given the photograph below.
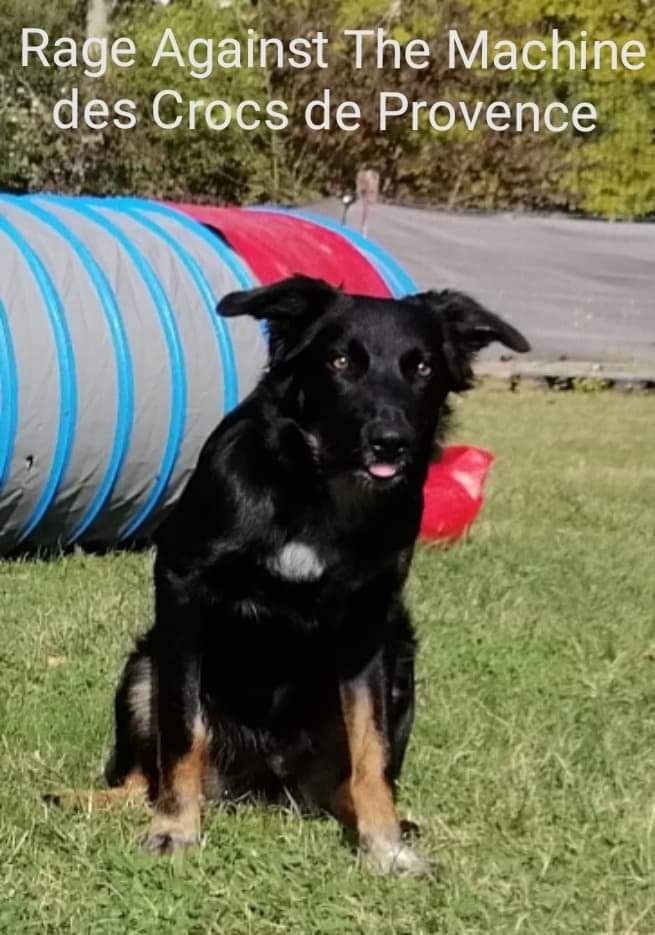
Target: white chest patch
x=296 y=561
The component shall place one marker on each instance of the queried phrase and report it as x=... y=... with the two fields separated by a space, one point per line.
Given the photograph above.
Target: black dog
x=281 y=661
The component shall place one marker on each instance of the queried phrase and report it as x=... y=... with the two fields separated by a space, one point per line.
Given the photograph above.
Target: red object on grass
x=278 y=245
x=453 y=492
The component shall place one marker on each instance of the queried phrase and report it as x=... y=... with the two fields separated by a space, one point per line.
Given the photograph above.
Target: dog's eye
x=340 y=362
x=423 y=369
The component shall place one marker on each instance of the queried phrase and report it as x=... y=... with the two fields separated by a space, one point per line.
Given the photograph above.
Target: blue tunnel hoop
x=67 y=378
x=244 y=278
x=177 y=368
x=124 y=374
x=227 y=256
x=224 y=341
x=9 y=399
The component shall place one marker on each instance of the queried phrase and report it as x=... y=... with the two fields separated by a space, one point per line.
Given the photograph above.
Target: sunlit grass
x=531 y=769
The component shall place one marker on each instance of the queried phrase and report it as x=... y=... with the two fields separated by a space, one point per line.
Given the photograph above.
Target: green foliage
x=34 y=154
x=228 y=166
x=609 y=173
x=26 y=95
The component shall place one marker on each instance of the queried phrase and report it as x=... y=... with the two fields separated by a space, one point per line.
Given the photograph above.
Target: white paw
x=393 y=857
x=168 y=836
x=169 y=842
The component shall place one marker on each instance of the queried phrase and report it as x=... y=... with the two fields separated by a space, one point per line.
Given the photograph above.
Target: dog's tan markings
x=364 y=801
x=134 y=789
x=176 y=823
x=365 y=796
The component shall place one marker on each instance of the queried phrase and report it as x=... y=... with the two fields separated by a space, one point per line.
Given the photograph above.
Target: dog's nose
x=388 y=443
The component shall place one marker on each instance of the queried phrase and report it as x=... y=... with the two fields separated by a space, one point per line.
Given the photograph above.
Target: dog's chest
x=297 y=561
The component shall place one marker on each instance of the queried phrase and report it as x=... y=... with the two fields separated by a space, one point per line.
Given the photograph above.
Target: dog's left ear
x=466 y=328
x=289 y=306
x=471 y=325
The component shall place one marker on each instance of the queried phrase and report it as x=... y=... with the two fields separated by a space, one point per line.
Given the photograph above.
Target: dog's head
x=367 y=378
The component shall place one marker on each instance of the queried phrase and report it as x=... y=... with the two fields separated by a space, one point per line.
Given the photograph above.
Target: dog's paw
x=396 y=858
x=409 y=829
x=53 y=799
x=169 y=842
x=170 y=837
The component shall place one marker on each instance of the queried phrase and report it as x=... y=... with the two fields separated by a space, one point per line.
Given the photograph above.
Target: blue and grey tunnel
x=115 y=368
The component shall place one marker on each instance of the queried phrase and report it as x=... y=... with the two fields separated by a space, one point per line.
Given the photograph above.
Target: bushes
x=609 y=173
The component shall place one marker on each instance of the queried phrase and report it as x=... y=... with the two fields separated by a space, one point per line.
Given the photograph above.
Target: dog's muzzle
x=386 y=446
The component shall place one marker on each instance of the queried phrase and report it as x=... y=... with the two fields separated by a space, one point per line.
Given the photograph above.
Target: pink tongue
x=382 y=470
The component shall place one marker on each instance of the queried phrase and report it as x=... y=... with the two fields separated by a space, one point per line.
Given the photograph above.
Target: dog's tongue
x=383 y=470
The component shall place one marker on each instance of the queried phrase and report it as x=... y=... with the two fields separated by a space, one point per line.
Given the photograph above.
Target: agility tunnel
x=114 y=367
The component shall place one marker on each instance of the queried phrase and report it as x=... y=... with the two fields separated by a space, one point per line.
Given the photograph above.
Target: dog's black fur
x=281 y=660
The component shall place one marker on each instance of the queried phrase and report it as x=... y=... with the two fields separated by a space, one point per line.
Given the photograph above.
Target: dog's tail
x=133 y=790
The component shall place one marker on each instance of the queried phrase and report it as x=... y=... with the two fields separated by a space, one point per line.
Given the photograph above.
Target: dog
x=281 y=659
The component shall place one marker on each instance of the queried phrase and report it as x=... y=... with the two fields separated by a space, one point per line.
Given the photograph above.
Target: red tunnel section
x=276 y=245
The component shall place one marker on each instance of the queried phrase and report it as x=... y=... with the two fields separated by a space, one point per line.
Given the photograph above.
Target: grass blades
x=531 y=767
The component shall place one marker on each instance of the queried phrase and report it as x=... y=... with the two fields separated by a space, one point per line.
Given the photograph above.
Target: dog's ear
x=471 y=325
x=466 y=328
x=291 y=298
x=289 y=307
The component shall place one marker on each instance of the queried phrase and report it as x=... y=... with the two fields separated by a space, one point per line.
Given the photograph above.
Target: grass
x=532 y=765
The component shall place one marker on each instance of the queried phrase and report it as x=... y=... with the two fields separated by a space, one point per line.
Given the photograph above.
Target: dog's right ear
x=292 y=298
x=289 y=307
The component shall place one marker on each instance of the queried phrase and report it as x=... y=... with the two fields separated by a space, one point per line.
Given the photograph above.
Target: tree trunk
x=97 y=18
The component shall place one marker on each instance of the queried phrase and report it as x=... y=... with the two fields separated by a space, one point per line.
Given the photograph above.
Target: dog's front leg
x=181 y=739
x=364 y=801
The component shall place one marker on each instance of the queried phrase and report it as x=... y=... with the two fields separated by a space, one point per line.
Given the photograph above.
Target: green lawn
x=532 y=766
